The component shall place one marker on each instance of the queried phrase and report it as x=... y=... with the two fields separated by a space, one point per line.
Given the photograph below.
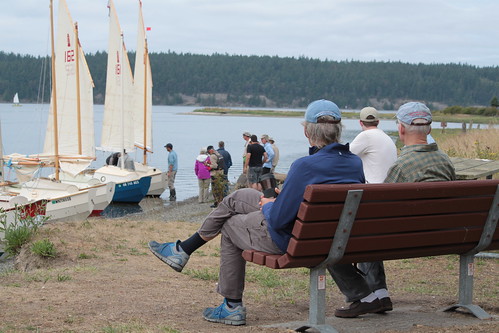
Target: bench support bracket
x=317 y=306
x=466 y=264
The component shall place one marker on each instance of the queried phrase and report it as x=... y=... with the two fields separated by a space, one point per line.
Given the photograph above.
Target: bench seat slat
x=314 y=247
x=400 y=191
x=324 y=212
x=287 y=261
x=309 y=230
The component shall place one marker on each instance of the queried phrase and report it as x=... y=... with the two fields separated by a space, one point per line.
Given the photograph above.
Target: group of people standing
x=212 y=167
x=258 y=158
x=248 y=221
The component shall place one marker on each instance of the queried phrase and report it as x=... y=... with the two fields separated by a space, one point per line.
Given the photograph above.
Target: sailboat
x=15 y=101
x=118 y=124
x=69 y=141
x=13 y=207
x=142 y=85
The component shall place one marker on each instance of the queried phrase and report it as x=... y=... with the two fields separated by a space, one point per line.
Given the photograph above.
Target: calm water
x=23 y=131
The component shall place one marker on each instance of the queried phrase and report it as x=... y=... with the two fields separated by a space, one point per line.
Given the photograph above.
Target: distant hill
x=264 y=81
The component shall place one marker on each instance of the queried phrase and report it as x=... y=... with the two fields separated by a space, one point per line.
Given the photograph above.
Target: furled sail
x=74 y=93
x=118 y=123
x=142 y=89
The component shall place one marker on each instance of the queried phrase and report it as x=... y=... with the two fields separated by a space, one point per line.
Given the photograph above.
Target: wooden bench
x=351 y=223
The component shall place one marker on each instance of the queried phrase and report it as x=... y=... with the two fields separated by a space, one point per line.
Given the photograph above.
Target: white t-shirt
x=377 y=152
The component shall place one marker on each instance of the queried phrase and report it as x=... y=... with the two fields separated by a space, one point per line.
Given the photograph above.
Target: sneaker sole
x=227 y=321
x=167 y=261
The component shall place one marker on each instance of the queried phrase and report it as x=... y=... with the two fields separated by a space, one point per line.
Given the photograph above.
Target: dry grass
x=471 y=144
x=105 y=280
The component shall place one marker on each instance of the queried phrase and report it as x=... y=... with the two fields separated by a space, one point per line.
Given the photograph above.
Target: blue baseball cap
x=409 y=112
x=321 y=108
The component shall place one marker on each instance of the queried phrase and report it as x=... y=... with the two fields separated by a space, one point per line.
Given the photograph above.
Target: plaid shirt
x=421 y=163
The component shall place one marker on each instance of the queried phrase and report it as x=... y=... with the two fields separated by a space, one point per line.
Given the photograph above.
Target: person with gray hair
x=246 y=220
x=418 y=162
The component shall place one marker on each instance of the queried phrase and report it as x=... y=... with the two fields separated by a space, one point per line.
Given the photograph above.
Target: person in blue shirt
x=172 y=170
x=267 y=166
x=246 y=220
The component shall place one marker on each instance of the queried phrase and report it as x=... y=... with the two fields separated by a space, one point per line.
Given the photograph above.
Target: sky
x=412 y=31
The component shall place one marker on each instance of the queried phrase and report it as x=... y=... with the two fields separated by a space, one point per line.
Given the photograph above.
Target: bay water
x=23 y=131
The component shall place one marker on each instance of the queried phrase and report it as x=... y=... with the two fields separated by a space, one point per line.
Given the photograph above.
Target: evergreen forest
x=271 y=81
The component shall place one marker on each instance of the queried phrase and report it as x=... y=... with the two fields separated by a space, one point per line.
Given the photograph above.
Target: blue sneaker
x=169 y=254
x=225 y=315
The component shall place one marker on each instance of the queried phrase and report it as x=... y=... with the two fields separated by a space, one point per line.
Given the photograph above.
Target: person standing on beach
x=247 y=141
x=202 y=171
x=267 y=166
x=418 y=162
x=374 y=147
x=255 y=157
x=275 y=160
x=172 y=170
x=247 y=221
x=217 y=175
x=227 y=164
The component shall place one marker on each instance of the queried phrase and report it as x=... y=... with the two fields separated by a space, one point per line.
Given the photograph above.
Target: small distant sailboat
x=15 y=101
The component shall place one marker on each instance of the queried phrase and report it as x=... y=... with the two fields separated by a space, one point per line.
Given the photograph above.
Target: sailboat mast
x=54 y=94
x=78 y=101
x=122 y=49
x=146 y=58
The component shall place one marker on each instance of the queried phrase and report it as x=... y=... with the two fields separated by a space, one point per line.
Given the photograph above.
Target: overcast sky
x=414 y=31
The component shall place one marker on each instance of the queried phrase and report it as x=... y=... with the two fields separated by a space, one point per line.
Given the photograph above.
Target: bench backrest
x=393 y=221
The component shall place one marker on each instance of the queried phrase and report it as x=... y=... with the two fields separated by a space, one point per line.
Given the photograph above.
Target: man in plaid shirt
x=418 y=162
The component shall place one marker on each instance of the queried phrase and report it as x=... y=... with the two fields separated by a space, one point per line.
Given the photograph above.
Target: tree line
x=271 y=81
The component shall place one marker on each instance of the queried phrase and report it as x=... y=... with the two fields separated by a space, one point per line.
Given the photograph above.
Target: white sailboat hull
x=104 y=191
x=64 y=201
x=158 y=178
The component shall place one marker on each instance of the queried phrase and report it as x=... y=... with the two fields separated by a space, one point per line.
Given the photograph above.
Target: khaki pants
x=243 y=227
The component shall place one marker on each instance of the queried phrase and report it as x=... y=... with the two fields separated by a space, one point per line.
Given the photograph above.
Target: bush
x=43 y=248
x=19 y=231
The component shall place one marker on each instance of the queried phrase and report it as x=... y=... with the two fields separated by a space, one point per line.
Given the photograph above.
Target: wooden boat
x=69 y=139
x=142 y=86
x=118 y=133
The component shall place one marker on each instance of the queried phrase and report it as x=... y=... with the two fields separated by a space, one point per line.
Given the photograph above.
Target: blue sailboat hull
x=132 y=191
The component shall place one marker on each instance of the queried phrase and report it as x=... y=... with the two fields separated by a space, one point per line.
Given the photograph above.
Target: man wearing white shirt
x=375 y=148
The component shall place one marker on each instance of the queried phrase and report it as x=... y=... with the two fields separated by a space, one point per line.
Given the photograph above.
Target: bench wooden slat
x=324 y=212
x=314 y=247
x=399 y=191
x=310 y=230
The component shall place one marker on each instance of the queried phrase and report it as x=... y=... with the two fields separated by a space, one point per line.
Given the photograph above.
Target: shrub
x=19 y=231
x=44 y=248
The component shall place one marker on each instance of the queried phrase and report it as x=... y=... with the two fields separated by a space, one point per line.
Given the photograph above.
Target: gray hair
x=416 y=129
x=323 y=133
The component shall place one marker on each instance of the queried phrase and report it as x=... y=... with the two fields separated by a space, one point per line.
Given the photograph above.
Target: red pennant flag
x=148 y=28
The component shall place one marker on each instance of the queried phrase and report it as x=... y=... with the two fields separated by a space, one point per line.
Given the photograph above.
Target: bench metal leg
x=466 y=270
x=317 y=306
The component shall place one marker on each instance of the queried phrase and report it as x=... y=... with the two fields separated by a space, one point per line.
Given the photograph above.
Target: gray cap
x=414 y=113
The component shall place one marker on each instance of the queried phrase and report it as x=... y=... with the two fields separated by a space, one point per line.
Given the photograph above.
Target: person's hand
x=264 y=200
x=277 y=190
